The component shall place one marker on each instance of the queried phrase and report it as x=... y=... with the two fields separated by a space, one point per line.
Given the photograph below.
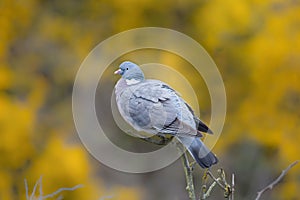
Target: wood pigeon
x=154 y=107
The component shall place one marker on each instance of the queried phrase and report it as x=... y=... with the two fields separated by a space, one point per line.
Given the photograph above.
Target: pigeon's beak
x=119 y=71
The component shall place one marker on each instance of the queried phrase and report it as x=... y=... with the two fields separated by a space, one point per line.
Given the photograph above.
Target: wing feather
x=156 y=107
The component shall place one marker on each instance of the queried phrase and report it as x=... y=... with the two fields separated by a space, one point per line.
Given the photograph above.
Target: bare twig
x=41 y=197
x=189 y=177
x=206 y=193
x=161 y=139
x=62 y=189
x=227 y=187
x=232 y=187
x=203 y=192
x=276 y=181
x=188 y=171
x=222 y=183
x=217 y=180
x=35 y=187
x=26 y=189
x=41 y=187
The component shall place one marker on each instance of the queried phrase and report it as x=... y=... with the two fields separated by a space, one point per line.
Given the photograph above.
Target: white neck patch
x=132 y=81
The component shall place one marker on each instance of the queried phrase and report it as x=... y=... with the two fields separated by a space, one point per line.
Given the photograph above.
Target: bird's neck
x=122 y=84
x=132 y=81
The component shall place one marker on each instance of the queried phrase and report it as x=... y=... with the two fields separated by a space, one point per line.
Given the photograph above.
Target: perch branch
x=188 y=168
x=157 y=140
x=276 y=181
x=188 y=171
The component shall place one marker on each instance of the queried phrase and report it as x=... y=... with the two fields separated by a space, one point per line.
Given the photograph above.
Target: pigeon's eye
x=127 y=68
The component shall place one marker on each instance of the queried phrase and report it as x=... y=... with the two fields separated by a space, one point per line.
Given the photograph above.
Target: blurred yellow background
x=255 y=44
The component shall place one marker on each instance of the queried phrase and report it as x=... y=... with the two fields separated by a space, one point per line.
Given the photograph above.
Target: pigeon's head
x=130 y=71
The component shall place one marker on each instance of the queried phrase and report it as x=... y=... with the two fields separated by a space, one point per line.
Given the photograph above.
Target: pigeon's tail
x=203 y=156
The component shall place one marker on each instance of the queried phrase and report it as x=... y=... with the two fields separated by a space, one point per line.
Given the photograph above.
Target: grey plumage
x=154 y=107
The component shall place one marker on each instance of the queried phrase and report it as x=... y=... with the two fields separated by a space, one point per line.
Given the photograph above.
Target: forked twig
x=221 y=182
x=276 y=181
x=206 y=193
x=217 y=180
x=35 y=187
x=40 y=196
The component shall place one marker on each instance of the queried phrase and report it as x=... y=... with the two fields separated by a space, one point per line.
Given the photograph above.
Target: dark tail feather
x=207 y=161
x=202 y=127
x=202 y=155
